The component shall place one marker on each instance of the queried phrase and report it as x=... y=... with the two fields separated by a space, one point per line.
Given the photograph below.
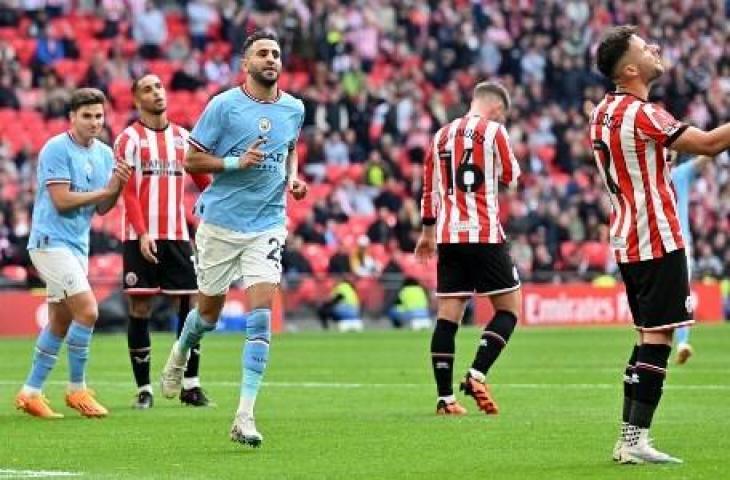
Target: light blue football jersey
x=682 y=176
x=253 y=199
x=62 y=160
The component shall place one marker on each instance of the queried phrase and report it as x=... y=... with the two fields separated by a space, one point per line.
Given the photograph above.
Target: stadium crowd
x=377 y=77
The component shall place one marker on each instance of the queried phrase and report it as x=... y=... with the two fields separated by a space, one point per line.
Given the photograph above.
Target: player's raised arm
x=699 y=142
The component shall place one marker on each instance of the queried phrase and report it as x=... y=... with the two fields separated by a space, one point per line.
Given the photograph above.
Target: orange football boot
x=453 y=408
x=84 y=402
x=481 y=395
x=35 y=405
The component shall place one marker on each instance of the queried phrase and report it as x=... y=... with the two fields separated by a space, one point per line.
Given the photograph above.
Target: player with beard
x=631 y=138
x=245 y=138
x=157 y=251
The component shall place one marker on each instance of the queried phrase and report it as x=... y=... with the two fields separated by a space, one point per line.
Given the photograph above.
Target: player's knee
x=140 y=307
x=87 y=314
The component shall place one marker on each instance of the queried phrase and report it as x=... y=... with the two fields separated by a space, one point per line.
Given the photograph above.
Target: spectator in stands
x=190 y=76
x=315 y=167
x=99 y=74
x=201 y=17
x=9 y=15
x=408 y=225
x=55 y=99
x=335 y=150
x=339 y=263
x=293 y=263
x=149 y=30
x=708 y=264
x=376 y=171
x=381 y=230
x=8 y=97
x=309 y=231
x=50 y=47
x=113 y=11
x=390 y=196
x=217 y=71
x=362 y=263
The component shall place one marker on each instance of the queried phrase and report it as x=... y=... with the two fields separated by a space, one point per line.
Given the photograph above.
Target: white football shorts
x=223 y=256
x=65 y=274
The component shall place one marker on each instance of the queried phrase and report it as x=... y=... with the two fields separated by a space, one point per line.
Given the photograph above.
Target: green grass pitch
x=360 y=406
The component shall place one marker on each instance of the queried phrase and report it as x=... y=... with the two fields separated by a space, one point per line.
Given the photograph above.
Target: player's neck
x=261 y=92
x=80 y=139
x=637 y=89
x=154 y=122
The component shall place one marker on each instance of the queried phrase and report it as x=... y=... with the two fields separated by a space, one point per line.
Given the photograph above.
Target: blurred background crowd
x=378 y=78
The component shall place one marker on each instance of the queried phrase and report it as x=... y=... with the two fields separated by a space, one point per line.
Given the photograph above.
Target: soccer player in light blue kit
x=682 y=177
x=246 y=138
x=77 y=177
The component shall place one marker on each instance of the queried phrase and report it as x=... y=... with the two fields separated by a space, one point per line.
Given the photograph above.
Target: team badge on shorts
x=69 y=281
x=264 y=125
x=130 y=279
x=689 y=304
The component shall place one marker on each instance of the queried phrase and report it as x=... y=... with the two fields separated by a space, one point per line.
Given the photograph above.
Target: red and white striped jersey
x=153 y=197
x=463 y=167
x=630 y=138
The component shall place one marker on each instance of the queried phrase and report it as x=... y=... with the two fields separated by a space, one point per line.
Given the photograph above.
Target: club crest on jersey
x=264 y=125
x=179 y=142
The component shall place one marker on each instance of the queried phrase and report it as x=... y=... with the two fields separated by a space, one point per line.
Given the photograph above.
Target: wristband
x=230 y=163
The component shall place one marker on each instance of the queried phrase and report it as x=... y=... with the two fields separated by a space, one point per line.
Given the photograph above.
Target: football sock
x=443 y=347
x=194 y=360
x=78 y=340
x=45 y=355
x=193 y=330
x=494 y=338
x=651 y=368
x=629 y=384
x=140 y=350
x=255 y=355
x=682 y=335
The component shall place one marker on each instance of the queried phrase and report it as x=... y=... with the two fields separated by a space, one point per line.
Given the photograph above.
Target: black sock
x=194 y=361
x=140 y=351
x=651 y=368
x=443 y=346
x=494 y=338
x=629 y=384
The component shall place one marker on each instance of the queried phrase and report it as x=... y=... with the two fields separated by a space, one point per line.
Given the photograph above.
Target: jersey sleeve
x=655 y=123
x=429 y=206
x=53 y=165
x=207 y=131
x=126 y=150
x=507 y=167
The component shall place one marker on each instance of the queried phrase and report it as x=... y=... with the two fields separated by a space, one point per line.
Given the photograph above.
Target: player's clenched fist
x=252 y=156
x=426 y=247
x=298 y=189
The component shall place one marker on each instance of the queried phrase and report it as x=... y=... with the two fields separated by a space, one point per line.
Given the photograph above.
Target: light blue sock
x=255 y=356
x=193 y=330
x=44 y=358
x=682 y=335
x=78 y=339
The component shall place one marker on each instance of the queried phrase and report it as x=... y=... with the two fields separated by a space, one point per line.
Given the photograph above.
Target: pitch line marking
x=10 y=473
x=345 y=386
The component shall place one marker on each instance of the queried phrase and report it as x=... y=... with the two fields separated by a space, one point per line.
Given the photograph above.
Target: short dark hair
x=495 y=89
x=613 y=46
x=135 y=82
x=86 y=96
x=259 y=35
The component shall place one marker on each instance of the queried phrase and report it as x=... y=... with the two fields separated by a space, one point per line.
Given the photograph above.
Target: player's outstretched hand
x=426 y=247
x=298 y=189
x=148 y=247
x=253 y=156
